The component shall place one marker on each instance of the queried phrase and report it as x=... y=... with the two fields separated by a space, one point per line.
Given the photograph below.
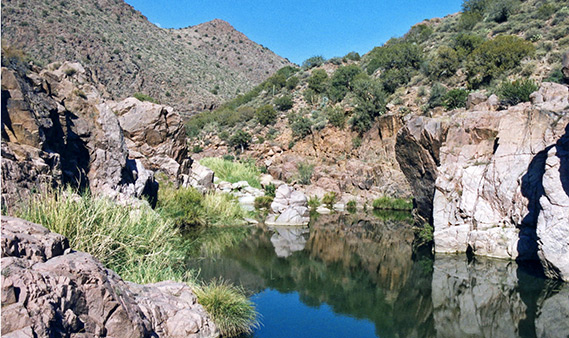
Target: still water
x=357 y=276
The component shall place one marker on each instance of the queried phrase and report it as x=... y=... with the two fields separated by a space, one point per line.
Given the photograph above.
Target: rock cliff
x=49 y=290
x=496 y=180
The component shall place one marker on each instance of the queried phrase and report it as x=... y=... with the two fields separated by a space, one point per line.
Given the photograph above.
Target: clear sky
x=299 y=29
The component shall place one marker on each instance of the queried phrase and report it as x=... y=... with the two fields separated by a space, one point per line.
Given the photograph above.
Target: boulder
x=200 y=177
x=49 y=290
x=292 y=205
x=155 y=135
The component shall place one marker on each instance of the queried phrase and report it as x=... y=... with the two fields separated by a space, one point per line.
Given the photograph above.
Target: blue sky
x=299 y=29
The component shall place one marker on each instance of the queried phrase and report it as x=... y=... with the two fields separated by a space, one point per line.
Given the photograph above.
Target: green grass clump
x=230 y=309
x=518 y=91
x=314 y=202
x=263 y=202
x=138 y=243
x=329 y=199
x=143 y=97
x=233 y=171
x=222 y=209
x=351 y=206
x=389 y=203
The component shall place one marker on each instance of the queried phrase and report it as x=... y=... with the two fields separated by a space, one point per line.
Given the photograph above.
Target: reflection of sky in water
x=284 y=314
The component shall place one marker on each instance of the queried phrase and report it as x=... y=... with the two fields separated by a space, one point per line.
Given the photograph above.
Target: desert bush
x=556 y=75
x=310 y=96
x=283 y=103
x=336 y=117
x=465 y=43
x=468 y=20
x=517 y=91
x=263 y=202
x=341 y=82
x=274 y=83
x=455 y=98
x=501 y=10
x=446 y=63
x=266 y=114
x=314 y=202
x=300 y=126
x=270 y=190
x=329 y=199
x=494 y=57
x=315 y=61
x=354 y=56
x=370 y=103
x=318 y=81
x=398 y=55
x=221 y=209
x=292 y=82
x=240 y=140
x=305 y=171
x=351 y=206
x=419 y=33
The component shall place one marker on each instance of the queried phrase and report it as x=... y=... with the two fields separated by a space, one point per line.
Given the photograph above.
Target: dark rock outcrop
x=48 y=290
x=57 y=130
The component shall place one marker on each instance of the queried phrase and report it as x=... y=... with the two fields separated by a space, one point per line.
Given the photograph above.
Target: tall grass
x=233 y=171
x=137 y=243
x=232 y=314
x=222 y=209
x=145 y=246
x=390 y=203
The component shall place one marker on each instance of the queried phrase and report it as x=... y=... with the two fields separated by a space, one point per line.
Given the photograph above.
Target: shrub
x=263 y=202
x=292 y=82
x=455 y=98
x=300 y=126
x=283 y=103
x=318 y=81
x=314 y=202
x=70 y=71
x=426 y=233
x=419 y=33
x=315 y=61
x=518 y=91
x=446 y=63
x=494 y=57
x=230 y=309
x=465 y=43
x=341 y=82
x=389 y=203
x=196 y=149
x=222 y=209
x=399 y=55
x=351 y=206
x=336 y=117
x=240 y=140
x=501 y=10
x=310 y=96
x=266 y=114
x=468 y=20
x=438 y=92
x=305 y=171
x=233 y=171
x=370 y=103
x=143 y=97
x=270 y=190
x=329 y=199
x=354 y=56
x=356 y=142
x=556 y=75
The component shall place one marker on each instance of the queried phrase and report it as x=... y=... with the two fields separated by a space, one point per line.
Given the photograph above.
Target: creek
x=357 y=276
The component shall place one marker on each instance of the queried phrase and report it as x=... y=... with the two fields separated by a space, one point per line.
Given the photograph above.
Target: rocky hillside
x=192 y=69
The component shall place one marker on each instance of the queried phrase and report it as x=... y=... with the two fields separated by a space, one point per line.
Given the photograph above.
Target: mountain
x=192 y=69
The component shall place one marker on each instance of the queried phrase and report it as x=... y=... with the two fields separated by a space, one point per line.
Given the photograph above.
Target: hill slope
x=192 y=69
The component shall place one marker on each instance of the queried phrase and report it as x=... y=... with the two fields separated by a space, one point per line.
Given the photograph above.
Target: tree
x=318 y=80
x=370 y=103
x=341 y=81
x=240 y=140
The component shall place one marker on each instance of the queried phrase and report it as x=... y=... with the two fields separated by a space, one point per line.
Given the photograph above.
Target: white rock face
x=292 y=206
x=502 y=183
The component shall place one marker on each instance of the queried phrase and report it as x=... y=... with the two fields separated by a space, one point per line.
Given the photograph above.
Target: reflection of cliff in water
x=495 y=298
x=364 y=267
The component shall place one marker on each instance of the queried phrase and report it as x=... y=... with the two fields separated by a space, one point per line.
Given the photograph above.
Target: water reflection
x=364 y=268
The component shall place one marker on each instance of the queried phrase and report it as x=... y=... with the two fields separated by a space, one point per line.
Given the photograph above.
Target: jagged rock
x=155 y=135
x=200 y=178
x=56 y=130
x=475 y=99
x=49 y=290
x=492 y=170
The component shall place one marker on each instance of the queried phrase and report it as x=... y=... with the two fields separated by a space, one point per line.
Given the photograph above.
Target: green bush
x=305 y=171
x=494 y=57
x=389 y=203
x=370 y=103
x=465 y=43
x=240 y=140
x=518 y=91
x=455 y=98
x=310 y=96
x=229 y=308
x=283 y=103
x=274 y=83
x=501 y=10
x=398 y=55
x=329 y=199
x=222 y=209
x=266 y=114
x=270 y=190
x=341 y=81
x=425 y=233
x=263 y=202
x=143 y=97
x=300 y=126
x=354 y=56
x=182 y=206
x=336 y=117
x=468 y=20
x=318 y=81
x=197 y=149
x=233 y=172
x=556 y=75
x=351 y=206
x=314 y=202
x=419 y=33
x=292 y=82
x=315 y=61
x=446 y=63
x=436 y=98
